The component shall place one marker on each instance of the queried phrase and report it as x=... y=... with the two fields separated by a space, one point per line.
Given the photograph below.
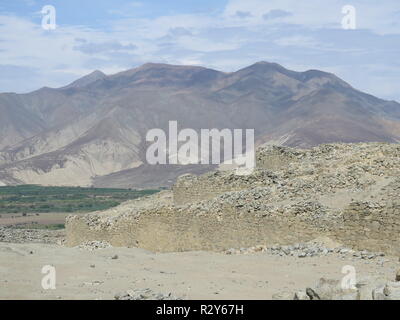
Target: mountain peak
x=154 y=68
x=322 y=76
x=99 y=125
x=86 y=80
x=272 y=65
x=264 y=66
x=266 y=63
x=97 y=73
x=152 y=65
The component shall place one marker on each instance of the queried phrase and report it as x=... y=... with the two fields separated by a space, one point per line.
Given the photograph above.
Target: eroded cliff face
x=348 y=192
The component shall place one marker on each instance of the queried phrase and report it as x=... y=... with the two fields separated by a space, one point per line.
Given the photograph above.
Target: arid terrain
x=297 y=227
x=82 y=273
x=199 y=150
x=42 y=218
x=92 y=132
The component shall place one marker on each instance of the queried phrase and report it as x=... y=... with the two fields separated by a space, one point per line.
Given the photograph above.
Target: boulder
x=301 y=295
x=312 y=294
x=392 y=290
x=378 y=294
x=328 y=289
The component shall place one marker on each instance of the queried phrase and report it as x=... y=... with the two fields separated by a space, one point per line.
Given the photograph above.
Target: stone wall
x=372 y=227
x=190 y=188
x=170 y=229
x=276 y=158
x=309 y=196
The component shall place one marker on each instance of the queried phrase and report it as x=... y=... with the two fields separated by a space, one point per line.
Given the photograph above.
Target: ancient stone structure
x=276 y=158
x=191 y=188
x=348 y=192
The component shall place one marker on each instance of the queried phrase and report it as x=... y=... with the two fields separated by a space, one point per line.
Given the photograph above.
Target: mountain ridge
x=96 y=125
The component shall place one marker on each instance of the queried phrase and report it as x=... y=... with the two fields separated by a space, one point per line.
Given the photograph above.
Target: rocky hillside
x=93 y=130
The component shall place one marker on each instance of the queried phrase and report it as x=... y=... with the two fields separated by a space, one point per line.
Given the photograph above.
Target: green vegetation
x=37 y=199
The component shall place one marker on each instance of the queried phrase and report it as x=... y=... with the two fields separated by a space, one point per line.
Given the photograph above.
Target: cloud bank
x=229 y=35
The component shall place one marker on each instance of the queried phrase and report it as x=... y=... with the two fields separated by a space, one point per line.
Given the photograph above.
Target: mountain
x=88 y=79
x=93 y=130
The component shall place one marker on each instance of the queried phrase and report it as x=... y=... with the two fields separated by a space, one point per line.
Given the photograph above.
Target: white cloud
x=304 y=34
x=298 y=40
x=378 y=16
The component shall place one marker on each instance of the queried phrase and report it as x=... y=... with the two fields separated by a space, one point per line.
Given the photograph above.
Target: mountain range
x=92 y=131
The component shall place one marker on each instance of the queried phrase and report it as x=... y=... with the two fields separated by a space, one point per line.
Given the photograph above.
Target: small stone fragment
x=301 y=295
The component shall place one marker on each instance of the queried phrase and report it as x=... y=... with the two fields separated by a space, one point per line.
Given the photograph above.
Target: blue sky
x=226 y=35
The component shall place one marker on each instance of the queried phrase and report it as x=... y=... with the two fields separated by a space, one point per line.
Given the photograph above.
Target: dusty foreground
x=100 y=274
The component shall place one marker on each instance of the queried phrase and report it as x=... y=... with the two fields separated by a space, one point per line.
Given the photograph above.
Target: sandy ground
x=191 y=275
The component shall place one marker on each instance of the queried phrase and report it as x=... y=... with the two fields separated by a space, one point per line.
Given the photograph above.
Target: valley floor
x=102 y=273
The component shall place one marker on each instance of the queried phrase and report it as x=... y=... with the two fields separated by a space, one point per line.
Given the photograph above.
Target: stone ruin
x=366 y=289
x=348 y=192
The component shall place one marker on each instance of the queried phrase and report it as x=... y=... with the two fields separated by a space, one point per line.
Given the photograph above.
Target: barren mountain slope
x=96 y=126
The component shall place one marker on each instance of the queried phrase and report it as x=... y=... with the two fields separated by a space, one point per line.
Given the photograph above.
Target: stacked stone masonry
x=348 y=192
